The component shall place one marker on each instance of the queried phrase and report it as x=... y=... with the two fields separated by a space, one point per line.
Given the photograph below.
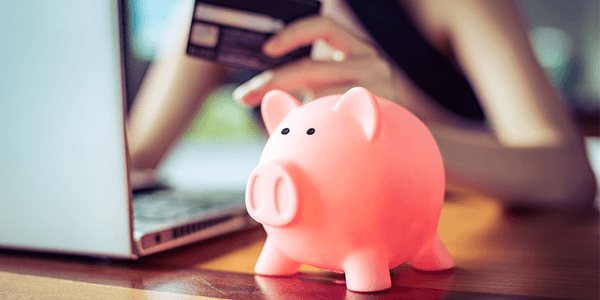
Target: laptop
x=64 y=179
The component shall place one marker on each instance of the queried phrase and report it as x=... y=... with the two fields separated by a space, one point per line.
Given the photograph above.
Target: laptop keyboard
x=170 y=205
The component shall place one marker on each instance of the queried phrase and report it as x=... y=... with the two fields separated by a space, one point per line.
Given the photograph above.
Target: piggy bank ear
x=276 y=105
x=362 y=105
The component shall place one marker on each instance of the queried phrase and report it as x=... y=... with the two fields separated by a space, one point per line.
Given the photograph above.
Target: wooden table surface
x=499 y=253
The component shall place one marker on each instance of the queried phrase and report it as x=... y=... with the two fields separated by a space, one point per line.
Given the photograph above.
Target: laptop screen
x=62 y=157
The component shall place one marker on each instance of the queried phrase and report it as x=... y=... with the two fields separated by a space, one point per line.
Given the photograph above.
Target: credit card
x=232 y=32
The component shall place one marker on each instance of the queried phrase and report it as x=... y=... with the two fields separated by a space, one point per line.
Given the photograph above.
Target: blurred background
x=563 y=34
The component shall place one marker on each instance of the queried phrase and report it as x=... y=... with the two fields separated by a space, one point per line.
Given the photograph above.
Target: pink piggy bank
x=349 y=183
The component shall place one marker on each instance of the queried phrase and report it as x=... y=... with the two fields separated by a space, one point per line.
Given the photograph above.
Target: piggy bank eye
x=285 y=131
x=310 y=131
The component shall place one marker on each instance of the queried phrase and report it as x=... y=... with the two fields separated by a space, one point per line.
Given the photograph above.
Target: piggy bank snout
x=271 y=195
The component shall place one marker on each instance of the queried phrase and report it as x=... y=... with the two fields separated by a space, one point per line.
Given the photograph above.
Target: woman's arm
x=171 y=95
x=549 y=176
x=534 y=153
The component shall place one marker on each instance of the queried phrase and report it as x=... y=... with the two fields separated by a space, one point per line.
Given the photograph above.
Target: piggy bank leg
x=273 y=262
x=367 y=272
x=433 y=257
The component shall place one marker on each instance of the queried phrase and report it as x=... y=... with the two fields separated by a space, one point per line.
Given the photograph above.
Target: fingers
x=351 y=62
x=305 y=31
x=377 y=87
x=334 y=90
x=314 y=76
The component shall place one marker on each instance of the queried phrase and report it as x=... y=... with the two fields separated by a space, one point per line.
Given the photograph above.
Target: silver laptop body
x=64 y=183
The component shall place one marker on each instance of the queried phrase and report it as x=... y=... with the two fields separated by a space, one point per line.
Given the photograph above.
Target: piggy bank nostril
x=282 y=196
x=257 y=194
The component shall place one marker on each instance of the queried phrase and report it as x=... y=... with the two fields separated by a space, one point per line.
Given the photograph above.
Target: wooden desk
x=498 y=254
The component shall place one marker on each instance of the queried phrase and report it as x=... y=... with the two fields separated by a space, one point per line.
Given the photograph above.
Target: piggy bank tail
x=433 y=256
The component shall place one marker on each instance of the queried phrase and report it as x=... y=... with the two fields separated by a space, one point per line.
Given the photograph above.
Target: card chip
x=204 y=35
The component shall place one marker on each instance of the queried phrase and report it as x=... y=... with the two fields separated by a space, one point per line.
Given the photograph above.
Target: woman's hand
x=353 y=63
